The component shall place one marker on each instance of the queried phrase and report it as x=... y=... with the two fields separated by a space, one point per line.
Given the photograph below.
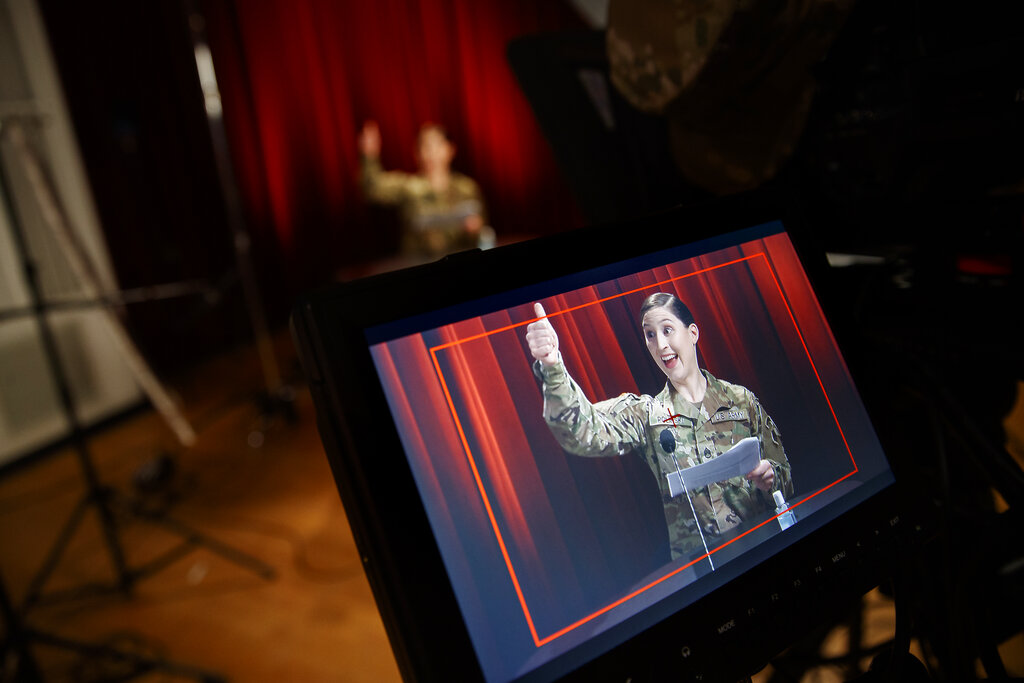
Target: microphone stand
x=693 y=510
x=669 y=444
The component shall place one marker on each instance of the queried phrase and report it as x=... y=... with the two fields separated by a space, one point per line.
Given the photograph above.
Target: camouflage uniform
x=734 y=79
x=432 y=223
x=728 y=413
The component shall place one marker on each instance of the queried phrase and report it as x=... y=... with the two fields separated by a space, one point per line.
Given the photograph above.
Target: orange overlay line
x=538 y=641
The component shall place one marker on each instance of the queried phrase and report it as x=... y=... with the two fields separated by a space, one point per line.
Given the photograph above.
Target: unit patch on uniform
x=728 y=415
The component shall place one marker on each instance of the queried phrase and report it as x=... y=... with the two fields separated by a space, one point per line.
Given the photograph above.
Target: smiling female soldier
x=695 y=418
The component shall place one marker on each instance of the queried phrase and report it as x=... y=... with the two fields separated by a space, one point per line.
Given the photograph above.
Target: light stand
x=106 y=501
x=278 y=398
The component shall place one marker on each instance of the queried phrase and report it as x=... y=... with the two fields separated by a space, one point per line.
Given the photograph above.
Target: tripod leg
x=16 y=660
x=18 y=664
x=229 y=553
x=141 y=664
x=124 y=577
x=56 y=552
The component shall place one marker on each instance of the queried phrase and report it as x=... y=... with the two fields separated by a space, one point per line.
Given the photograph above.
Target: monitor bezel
x=402 y=561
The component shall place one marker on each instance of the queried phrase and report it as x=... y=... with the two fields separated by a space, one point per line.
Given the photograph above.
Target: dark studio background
x=297 y=82
x=912 y=145
x=911 y=152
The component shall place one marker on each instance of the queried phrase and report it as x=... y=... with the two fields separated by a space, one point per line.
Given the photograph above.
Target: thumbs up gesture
x=369 y=140
x=541 y=338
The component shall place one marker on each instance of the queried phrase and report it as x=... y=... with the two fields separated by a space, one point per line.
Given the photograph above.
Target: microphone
x=668 y=442
x=675 y=479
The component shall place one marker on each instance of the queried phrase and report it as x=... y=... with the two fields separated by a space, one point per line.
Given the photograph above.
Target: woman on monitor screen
x=695 y=418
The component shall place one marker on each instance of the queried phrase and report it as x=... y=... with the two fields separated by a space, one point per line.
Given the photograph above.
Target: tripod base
x=116 y=507
x=105 y=663
x=18 y=663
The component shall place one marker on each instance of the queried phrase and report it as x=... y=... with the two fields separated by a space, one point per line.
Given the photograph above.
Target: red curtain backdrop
x=543 y=542
x=299 y=77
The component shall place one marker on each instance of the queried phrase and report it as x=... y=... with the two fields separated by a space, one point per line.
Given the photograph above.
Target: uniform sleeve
x=380 y=186
x=771 y=446
x=608 y=428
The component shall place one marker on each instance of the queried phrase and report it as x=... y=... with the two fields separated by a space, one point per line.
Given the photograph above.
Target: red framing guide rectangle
x=538 y=640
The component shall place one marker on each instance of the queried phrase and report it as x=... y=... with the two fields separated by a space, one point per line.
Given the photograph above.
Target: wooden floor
x=315 y=621
x=274 y=500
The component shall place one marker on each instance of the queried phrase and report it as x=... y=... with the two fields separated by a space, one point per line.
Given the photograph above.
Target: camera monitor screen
x=597 y=452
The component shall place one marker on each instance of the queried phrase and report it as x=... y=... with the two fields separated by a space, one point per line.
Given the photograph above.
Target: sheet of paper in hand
x=735 y=462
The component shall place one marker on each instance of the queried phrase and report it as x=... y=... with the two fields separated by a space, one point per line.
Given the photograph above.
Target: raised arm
x=608 y=428
x=384 y=187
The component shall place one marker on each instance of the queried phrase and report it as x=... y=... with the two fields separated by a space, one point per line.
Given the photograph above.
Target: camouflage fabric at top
x=432 y=223
x=735 y=79
x=632 y=423
x=656 y=48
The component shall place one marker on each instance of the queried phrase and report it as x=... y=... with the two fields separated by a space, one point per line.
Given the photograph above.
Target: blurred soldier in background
x=441 y=211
